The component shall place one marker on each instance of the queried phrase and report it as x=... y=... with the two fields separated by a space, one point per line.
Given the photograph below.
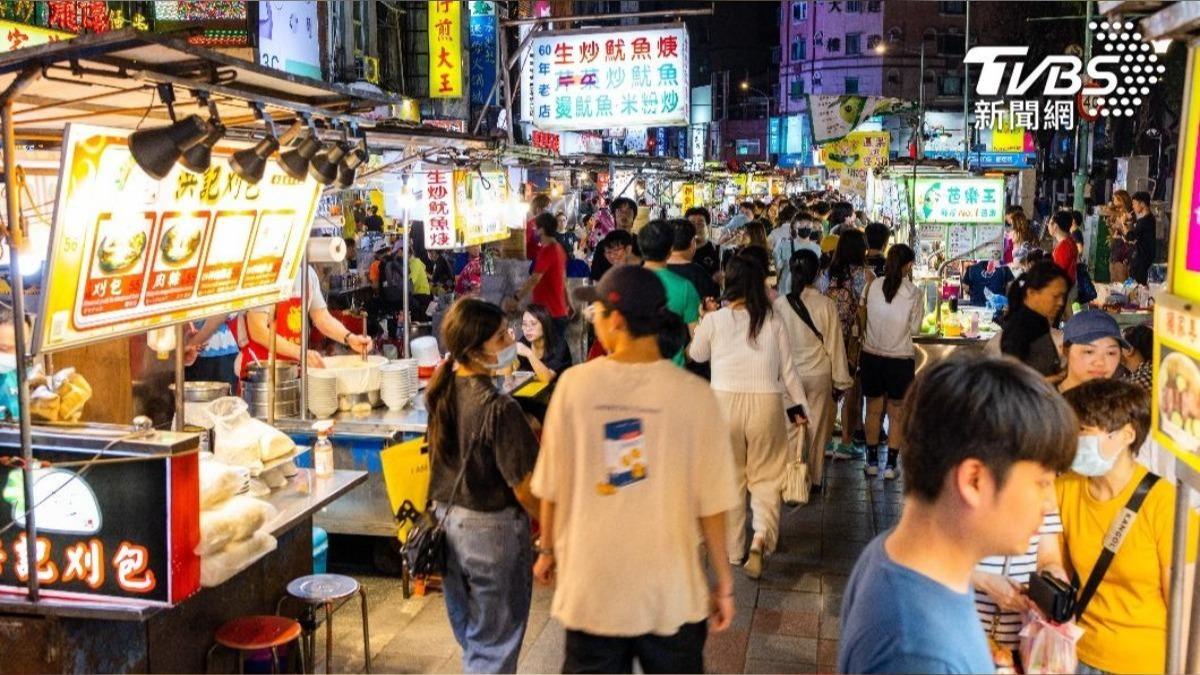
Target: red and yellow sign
x=129 y=253
x=1175 y=403
x=17 y=35
x=445 y=49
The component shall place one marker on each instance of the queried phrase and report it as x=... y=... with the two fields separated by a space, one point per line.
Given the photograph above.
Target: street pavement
x=787 y=622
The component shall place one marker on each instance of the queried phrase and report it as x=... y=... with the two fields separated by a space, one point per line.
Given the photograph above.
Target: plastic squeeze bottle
x=323 y=449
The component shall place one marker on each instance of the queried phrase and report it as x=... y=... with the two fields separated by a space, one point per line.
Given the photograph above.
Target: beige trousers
x=758 y=431
x=821 y=410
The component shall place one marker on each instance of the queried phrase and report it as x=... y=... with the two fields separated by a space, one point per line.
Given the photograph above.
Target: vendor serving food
x=255 y=340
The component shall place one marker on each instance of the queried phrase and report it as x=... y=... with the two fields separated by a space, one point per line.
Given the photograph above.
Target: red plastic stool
x=255 y=633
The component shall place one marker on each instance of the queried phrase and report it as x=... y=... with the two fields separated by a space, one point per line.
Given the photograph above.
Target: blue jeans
x=1085 y=669
x=488 y=585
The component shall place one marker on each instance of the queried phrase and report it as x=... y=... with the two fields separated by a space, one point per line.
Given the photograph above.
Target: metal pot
x=282 y=409
x=256 y=392
x=203 y=392
x=284 y=371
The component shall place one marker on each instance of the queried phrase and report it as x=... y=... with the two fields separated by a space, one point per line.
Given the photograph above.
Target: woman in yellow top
x=1125 y=623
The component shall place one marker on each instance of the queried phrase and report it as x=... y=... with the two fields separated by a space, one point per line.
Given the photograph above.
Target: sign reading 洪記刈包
x=129 y=253
x=598 y=79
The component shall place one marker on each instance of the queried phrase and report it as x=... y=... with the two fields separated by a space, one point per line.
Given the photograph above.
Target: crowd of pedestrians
x=793 y=312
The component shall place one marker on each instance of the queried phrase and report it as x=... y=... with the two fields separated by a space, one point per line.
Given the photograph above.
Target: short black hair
x=877 y=236
x=1141 y=338
x=699 y=211
x=1142 y=196
x=1111 y=404
x=1077 y=218
x=841 y=211
x=655 y=240
x=623 y=201
x=615 y=238
x=1062 y=220
x=1004 y=412
x=685 y=234
x=540 y=202
x=746 y=205
x=546 y=223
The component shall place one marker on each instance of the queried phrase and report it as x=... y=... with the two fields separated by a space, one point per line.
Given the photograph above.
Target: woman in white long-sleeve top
x=752 y=369
x=888 y=366
x=815 y=333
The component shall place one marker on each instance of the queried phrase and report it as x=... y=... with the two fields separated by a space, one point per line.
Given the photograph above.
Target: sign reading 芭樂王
x=960 y=200
x=595 y=79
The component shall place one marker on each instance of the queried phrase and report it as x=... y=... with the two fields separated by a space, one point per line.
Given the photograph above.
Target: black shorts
x=883 y=375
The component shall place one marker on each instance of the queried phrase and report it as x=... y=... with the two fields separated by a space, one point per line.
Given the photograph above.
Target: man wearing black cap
x=628 y=479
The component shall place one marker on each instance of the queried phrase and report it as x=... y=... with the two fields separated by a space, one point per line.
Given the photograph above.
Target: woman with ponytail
x=894 y=309
x=482 y=455
x=1035 y=305
x=752 y=370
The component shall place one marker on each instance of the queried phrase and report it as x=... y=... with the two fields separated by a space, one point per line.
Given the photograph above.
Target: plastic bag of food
x=235 y=433
x=220 y=481
x=73 y=392
x=273 y=443
x=1048 y=647
x=219 y=567
x=44 y=404
x=235 y=519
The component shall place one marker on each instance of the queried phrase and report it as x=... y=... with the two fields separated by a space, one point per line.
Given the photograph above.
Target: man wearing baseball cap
x=1092 y=343
x=630 y=483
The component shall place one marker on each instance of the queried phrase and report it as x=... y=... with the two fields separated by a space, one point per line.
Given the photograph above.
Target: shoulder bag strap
x=489 y=421
x=1112 y=541
x=802 y=311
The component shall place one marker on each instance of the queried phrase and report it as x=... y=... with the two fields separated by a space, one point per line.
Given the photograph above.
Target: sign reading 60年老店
x=604 y=78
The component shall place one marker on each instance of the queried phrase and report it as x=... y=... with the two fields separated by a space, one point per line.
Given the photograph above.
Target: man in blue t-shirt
x=975 y=488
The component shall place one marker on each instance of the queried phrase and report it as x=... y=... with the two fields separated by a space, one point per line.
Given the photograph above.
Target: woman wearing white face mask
x=1125 y=618
x=482 y=454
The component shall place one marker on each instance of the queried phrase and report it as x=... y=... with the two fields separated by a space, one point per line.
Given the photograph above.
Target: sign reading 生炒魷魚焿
x=960 y=200
x=599 y=79
x=445 y=49
x=129 y=253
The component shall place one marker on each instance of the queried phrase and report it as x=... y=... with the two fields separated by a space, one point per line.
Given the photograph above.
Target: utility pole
x=1083 y=128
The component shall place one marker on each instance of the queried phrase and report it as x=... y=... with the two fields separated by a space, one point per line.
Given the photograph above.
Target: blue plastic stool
x=320 y=550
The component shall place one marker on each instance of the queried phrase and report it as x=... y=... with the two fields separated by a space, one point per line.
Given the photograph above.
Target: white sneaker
x=872 y=470
x=754 y=562
x=890 y=473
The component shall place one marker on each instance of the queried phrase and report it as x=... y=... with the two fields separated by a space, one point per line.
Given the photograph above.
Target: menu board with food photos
x=129 y=253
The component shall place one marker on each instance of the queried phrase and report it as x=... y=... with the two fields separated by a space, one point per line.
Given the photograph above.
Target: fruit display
x=1179 y=397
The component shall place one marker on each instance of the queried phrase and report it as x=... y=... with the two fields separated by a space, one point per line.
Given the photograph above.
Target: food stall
x=109 y=560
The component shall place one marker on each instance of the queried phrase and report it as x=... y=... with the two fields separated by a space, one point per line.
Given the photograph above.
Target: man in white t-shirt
x=631 y=483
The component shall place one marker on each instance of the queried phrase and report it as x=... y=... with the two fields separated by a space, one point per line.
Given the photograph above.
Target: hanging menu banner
x=483 y=51
x=445 y=49
x=960 y=200
x=129 y=253
x=600 y=79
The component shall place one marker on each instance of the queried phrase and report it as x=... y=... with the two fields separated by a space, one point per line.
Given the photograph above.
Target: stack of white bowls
x=322 y=392
x=399 y=383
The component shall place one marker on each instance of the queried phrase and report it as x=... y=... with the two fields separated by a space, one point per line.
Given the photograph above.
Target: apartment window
x=851 y=85
x=797 y=90
x=893 y=76
x=952 y=7
x=950 y=44
x=853 y=44
x=950 y=85
x=854 y=7
x=833 y=45
x=799 y=11
x=874 y=6
x=799 y=49
x=873 y=41
x=748 y=147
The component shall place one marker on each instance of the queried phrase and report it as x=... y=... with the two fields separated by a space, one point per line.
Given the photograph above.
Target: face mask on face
x=504 y=358
x=1089 y=461
x=8 y=361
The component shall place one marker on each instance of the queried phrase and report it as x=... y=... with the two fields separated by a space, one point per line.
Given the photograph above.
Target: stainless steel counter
x=934 y=348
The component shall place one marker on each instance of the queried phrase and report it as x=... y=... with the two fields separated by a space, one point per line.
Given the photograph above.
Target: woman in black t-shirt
x=1035 y=303
x=540 y=348
x=482 y=454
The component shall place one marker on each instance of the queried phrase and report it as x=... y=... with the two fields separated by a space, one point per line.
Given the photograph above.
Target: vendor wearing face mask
x=255 y=335
x=1124 y=620
x=1092 y=344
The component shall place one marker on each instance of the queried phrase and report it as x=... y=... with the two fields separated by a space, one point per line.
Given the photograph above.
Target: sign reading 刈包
x=129 y=253
x=960 y=200
x=596 y=79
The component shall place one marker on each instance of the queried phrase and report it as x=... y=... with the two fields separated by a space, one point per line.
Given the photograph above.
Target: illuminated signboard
x=483 y=51
x=224 y=23
x=15 y=36
x=463 y=208
x=129 y=253
x=445 y=49
x=960 y=200
x=288 y=37
x=600 y=79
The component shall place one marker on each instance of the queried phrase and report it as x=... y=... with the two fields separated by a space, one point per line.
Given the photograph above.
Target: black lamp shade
x=156 y=150
x=295 y=161
x=324 y=166
x=199 y=157
x=345 y=177
x=250 y=163
x=355 y=158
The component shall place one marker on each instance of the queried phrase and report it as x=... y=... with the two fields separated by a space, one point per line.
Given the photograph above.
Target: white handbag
x=795 y=478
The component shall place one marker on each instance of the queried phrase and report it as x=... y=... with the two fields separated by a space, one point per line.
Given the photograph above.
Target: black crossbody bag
x=802 y=311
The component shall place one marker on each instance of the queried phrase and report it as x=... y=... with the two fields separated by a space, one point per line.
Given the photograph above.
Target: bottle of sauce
x=323 y=449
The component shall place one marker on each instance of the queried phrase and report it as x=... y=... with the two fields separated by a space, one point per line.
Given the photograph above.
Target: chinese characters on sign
x=445 y=49
x=1176 y=391
x=129 y=253
x=1055 y=114
x=483 y=51
x=858 y=150
x=960 y=200
x=15 y=36
x=603 y=79
x=439 y=204
x=463 y=208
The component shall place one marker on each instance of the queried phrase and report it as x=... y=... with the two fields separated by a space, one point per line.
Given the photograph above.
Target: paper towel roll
x=326 y=249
